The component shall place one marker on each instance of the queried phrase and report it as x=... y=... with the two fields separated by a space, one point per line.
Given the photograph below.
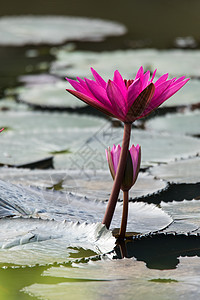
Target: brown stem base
x=122 y=231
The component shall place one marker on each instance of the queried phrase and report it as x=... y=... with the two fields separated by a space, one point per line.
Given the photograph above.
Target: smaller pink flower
x=132 y=164
x=1 y=129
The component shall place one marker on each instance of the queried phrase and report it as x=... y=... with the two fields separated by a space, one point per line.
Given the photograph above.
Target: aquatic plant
x=126 y=100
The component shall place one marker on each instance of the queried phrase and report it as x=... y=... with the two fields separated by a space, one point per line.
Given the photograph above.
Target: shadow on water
x=159 y=251
x=173 y=192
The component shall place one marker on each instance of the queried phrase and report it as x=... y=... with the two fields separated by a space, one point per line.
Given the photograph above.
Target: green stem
x=119 y=176
x=124 y=216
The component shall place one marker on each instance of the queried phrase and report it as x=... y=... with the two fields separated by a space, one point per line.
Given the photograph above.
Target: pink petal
x=95 y=103
x=145 y=79
x=115 y=152
x=160 y=89
x=140 y=73
x=173 y=88
x=154 y=74
x=98 y=78
x=133 y=92
x=77 y=86
x=81 y=87
x=135 y=153
x=120 y=82
x=180 y=79
x=161 y=79
x=98 y=92
x=116 y=98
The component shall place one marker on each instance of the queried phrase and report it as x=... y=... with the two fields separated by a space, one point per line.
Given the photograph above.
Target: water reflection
x=159 y=251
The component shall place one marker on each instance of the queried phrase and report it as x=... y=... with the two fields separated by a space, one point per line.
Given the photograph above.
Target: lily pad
x=33 y=136
x=36 y=241
x=187 y=123
x=9 y=103
x=185 y=211
x=155 y=147
x=95 y=184
x=33 y=30
x=78 y=63
x=101 y=281
x=49 y=96
x=180 y=171
x=21 y=201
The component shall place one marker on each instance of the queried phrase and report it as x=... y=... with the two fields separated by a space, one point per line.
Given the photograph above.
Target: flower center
x=128 y=82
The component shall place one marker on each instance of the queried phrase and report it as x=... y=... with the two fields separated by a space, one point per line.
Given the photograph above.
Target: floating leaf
x=36 y=241
x=10 y=104
x=93 y=184
x=99 y=280
x=34 y=136
x=180 y=171
x=187 y=123
x=185 y=211
x=49 y=96
x=23 y=30
x=176 y=62
x=21 y=201
x=155 y=148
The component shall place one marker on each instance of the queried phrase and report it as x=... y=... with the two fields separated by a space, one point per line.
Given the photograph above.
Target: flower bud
x=132 y=164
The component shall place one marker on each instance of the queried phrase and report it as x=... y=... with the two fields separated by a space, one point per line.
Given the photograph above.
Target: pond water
x=53 y=167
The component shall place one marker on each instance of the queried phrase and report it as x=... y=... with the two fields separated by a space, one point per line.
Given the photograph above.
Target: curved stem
x=119 y=176
x=124 y=216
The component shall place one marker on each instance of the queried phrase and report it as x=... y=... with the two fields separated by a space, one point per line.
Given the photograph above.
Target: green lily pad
x=95 y=184
x=36 y=241
x=99 y=280
x=49 y=96
x=155 y=147
x=187 y=123
x=21 y=201
x=26 y=30
x=180 y=171
x=78 y=63
x=9 y=103
x=33 y=136
x=185 y=211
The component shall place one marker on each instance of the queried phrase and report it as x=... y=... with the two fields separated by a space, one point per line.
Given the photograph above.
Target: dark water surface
x=150 y=23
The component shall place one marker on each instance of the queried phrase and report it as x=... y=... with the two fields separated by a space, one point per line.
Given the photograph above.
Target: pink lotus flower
x=132 y=164
x=126 y=100
x=1 y=129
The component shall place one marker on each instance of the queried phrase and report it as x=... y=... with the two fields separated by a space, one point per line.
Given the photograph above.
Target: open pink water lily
x=132 y=164
x=126 y=100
